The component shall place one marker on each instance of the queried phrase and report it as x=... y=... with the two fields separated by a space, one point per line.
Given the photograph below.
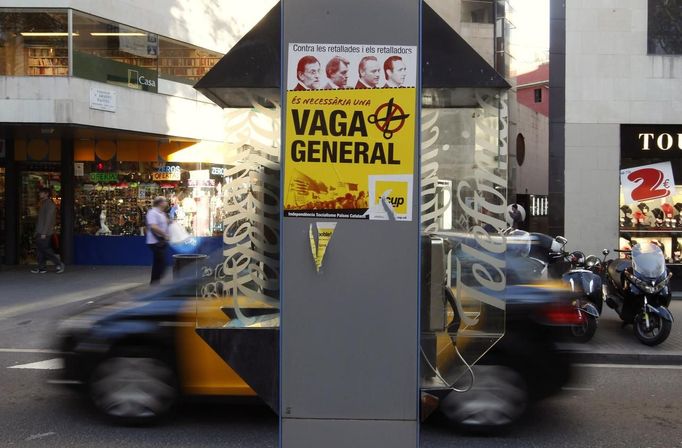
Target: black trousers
x=44 y=252
x=158 y=261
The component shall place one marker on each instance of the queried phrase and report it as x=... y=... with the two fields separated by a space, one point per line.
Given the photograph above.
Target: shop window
x=33 y=43
x=113 y=197
x=477 y=11
x=650 y=208
x=184 y=63
x=663 y=27
x=537 y=93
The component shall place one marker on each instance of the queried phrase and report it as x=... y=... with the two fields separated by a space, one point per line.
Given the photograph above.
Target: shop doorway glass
x=31 y=182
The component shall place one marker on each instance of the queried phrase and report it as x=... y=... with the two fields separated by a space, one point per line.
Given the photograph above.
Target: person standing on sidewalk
x=47 y=217
x=157 y=236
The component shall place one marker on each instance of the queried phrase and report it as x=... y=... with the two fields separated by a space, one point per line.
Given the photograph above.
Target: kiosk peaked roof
x=254 y=63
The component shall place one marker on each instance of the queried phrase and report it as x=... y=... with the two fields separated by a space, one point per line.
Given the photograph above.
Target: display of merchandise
x=103 y=209
x=659 y=217
x=116 y=203
x=625 y=216
x=668 y=214
x=658 y=221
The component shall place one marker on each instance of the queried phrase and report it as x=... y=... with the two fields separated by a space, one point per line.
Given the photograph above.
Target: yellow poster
x=350 y=147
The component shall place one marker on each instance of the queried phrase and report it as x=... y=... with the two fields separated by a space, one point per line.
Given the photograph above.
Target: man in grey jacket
x=47 y=216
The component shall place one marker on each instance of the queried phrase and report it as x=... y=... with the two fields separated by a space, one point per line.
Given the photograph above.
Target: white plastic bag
x=177 y=233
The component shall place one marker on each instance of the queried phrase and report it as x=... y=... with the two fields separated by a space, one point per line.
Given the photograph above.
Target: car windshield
x=648 y=260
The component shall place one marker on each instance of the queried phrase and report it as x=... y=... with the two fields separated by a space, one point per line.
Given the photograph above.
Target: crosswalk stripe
x=28 y=350
x=50 y=364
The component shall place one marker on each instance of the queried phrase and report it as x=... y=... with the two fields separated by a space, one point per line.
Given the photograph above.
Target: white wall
x=610 y=80
x=531 y=177
x=62 y=100
x=213 y=24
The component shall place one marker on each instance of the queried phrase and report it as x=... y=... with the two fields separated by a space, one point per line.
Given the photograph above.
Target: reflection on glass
x=464 y=188
x=33 y=43
x=184 y=63
x=245 y=284
x=113 y=41
x=663 y=27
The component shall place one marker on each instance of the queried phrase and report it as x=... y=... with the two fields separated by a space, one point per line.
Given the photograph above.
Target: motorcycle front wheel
x=658 y=331
x=585 y=331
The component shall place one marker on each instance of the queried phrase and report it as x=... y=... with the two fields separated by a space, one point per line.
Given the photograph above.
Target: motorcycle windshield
x=648 y=260
x=518 y=243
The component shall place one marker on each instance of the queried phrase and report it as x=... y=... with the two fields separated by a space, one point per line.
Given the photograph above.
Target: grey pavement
x=22 y=292
x=614 y=344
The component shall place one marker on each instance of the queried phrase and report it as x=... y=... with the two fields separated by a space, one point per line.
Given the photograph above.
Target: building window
x=478 y=11
x=538 y=95
x=184 y=63
x=113 y=53
x=118 y=54
x=520 y=149
x=664 y=30
x=34 y=43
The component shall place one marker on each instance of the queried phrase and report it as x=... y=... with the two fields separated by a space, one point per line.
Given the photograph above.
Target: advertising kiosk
x=358 y=280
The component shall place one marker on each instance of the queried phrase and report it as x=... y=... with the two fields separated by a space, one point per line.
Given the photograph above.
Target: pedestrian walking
x=516 y=217
x=47 y=218
x=157 y=237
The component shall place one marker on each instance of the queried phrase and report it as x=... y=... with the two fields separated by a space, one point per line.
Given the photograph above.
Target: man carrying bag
x=157 y=236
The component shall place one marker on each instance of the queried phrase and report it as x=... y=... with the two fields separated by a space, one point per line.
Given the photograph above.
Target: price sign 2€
x=644 y=183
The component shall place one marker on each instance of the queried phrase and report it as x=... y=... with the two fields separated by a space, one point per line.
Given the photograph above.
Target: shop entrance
x=31 y=182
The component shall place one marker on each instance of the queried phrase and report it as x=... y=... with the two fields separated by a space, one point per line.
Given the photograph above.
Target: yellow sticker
x=325 y=230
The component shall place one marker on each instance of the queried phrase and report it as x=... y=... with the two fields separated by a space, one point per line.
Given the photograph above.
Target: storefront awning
x=254 y=64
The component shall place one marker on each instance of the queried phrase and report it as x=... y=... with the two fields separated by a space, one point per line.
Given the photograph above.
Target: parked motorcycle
x=583 y=278
x=637 y=288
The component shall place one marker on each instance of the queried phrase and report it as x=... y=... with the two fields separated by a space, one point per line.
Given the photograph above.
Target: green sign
x=103 y=177
x=109 y=71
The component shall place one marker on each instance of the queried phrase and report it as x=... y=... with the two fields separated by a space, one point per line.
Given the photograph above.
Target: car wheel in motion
x=133 y=389
x=498 y=398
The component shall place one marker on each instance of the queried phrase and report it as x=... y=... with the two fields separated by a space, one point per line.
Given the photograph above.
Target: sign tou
x=647 y=182
x=350 y=131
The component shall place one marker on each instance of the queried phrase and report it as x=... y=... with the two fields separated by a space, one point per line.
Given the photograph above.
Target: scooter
x=543 y=262
x=637 y=288
x=582 y=278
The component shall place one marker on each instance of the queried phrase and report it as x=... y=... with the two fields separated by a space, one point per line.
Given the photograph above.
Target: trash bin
x=188 y=265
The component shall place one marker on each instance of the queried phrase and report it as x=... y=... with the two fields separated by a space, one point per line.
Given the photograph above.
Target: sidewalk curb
x=625 y=358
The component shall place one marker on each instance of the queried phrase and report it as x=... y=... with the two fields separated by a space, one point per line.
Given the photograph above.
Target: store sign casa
x=137 y=80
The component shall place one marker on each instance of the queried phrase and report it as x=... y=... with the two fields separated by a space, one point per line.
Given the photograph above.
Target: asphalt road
x=604 y=406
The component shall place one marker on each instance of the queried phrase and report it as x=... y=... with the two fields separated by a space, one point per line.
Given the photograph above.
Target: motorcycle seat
x=616 y=269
